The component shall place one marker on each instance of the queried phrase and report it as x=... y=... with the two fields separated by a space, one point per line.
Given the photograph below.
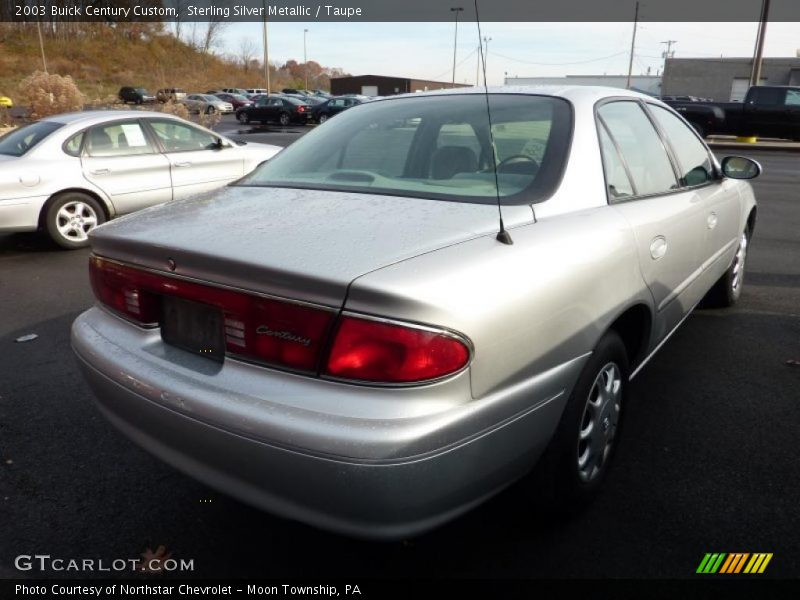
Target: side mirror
x=739 y=167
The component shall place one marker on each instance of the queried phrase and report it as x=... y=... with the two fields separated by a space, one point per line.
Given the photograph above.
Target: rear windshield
x=435 y=147
x=19 y=141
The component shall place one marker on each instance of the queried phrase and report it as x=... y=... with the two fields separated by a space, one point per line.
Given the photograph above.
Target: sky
x=425 y=50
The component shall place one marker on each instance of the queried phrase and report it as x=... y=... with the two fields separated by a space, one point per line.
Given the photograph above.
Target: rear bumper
x=367 y=475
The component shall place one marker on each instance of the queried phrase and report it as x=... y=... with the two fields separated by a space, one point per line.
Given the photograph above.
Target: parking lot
x=708 y=460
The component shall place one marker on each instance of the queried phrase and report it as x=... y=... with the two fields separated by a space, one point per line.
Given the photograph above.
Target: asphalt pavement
x=708 y=461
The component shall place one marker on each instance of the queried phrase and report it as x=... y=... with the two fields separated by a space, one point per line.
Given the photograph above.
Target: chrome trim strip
x=661 y=343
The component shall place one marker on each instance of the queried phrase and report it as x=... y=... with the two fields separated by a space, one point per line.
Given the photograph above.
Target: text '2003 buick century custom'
x=350 y=337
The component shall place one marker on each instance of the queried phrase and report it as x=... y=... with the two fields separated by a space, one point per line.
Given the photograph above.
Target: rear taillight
x=301 y=109
x=287 y=334
x=256 y=328
x=381 y=352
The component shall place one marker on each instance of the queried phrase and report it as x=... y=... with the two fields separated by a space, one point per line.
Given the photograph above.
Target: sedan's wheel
x=728 y=288
x=243 y=118
x=579 y=456
x=211 y=110
x=284 y=119
x=322 y=118
x=70 y=218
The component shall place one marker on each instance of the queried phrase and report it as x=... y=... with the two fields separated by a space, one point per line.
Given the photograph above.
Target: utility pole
x=266 y=50
x=633 y=44
x=755 y=74
x=483 y=52
x=668 y=53
x=305 y=58
x=455 y=9
x=41 y=45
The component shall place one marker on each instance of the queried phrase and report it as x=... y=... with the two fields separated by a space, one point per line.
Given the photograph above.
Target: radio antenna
x=502 y=236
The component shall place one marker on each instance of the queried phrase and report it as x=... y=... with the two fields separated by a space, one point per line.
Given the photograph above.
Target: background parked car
x=69 y=173
x=136 y=95
x=256 y=91
x=206 y=103
x=323 y=112
x=235 y=100
x=240 y=91
x=170 y=94
x=281 y=109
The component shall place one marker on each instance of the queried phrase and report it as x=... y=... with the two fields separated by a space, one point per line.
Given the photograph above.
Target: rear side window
x=641 y=147
x=617 y=180
x=19 y=141
x=117 y=139
x=181 y=137
x=694 y=161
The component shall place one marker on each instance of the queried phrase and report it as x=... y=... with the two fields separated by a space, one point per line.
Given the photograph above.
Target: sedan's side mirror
x=739 y=167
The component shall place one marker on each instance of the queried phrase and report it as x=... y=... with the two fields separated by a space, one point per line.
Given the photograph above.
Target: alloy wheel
x=599 y=422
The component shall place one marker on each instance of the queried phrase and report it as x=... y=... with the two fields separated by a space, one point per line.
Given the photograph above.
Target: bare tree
x=214 y=30
x=247 y=52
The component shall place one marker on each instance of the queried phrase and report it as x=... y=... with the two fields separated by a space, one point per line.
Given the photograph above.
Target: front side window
x=435 y=147
x=693 y=158
x=117 y=139
x=19 y=141
x=182 y=137
x=641 y=147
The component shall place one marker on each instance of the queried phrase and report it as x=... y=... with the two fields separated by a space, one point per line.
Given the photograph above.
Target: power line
x=561 y=64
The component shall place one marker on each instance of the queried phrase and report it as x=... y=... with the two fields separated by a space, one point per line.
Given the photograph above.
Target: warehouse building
x=724 y=79
x=379 y=85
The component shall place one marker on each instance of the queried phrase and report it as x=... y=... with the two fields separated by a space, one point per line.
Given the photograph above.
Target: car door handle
x=658 y=247
x=101 y=171
x=712 y=220
x=183 y=164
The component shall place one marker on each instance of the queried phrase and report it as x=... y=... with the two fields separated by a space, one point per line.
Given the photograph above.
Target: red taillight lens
x=263 y=329
x=301 y=109
x=119 y=288
x=382 y=352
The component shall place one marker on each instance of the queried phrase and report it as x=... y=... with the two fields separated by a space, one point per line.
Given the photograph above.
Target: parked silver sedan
x=68 y=173
x=206 y=103
x=409 y=307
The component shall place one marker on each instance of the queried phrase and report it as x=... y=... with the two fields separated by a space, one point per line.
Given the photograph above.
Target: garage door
x=740 y=86
x=369 y=90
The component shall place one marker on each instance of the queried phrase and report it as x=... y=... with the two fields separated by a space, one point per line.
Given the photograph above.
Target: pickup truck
x=767 y=111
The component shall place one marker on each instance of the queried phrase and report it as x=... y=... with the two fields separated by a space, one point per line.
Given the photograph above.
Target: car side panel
x=528 y=307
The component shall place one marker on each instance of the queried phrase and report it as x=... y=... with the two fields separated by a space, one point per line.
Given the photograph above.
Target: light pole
x=266 y=49
x=483 y=52
x=305 y=58
x=455 y=9
x=755 y=74
x=41 y=45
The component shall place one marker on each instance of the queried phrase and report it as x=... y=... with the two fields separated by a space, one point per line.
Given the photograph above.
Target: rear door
x=197 y=164
x=765 y=113
x=668 y=221
x=121 y=160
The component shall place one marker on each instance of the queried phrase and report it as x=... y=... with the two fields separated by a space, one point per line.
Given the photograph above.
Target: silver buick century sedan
x=68 y=173
x=414 y=304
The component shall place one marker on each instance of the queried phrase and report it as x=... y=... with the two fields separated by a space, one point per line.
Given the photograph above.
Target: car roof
x=575 y=93
x=91 y=117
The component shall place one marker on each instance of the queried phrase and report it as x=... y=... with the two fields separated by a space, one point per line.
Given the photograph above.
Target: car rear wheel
x=243 y=117
x=581 y=451
x=211 y=110
x=284 y=119
x=322 y=118
x=70 y=217
x=728 y=288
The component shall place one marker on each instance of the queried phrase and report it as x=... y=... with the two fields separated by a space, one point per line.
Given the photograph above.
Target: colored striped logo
x=735 y=562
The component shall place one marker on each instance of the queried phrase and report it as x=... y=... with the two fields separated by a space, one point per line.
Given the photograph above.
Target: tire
x=728 y=288
x=210 y=110
x=322 y=118
x=243 y=117
x=284 y=119
x=70 y=217
x=580 y=454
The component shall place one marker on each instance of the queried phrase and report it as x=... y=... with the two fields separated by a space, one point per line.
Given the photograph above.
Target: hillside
x=101 y=58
